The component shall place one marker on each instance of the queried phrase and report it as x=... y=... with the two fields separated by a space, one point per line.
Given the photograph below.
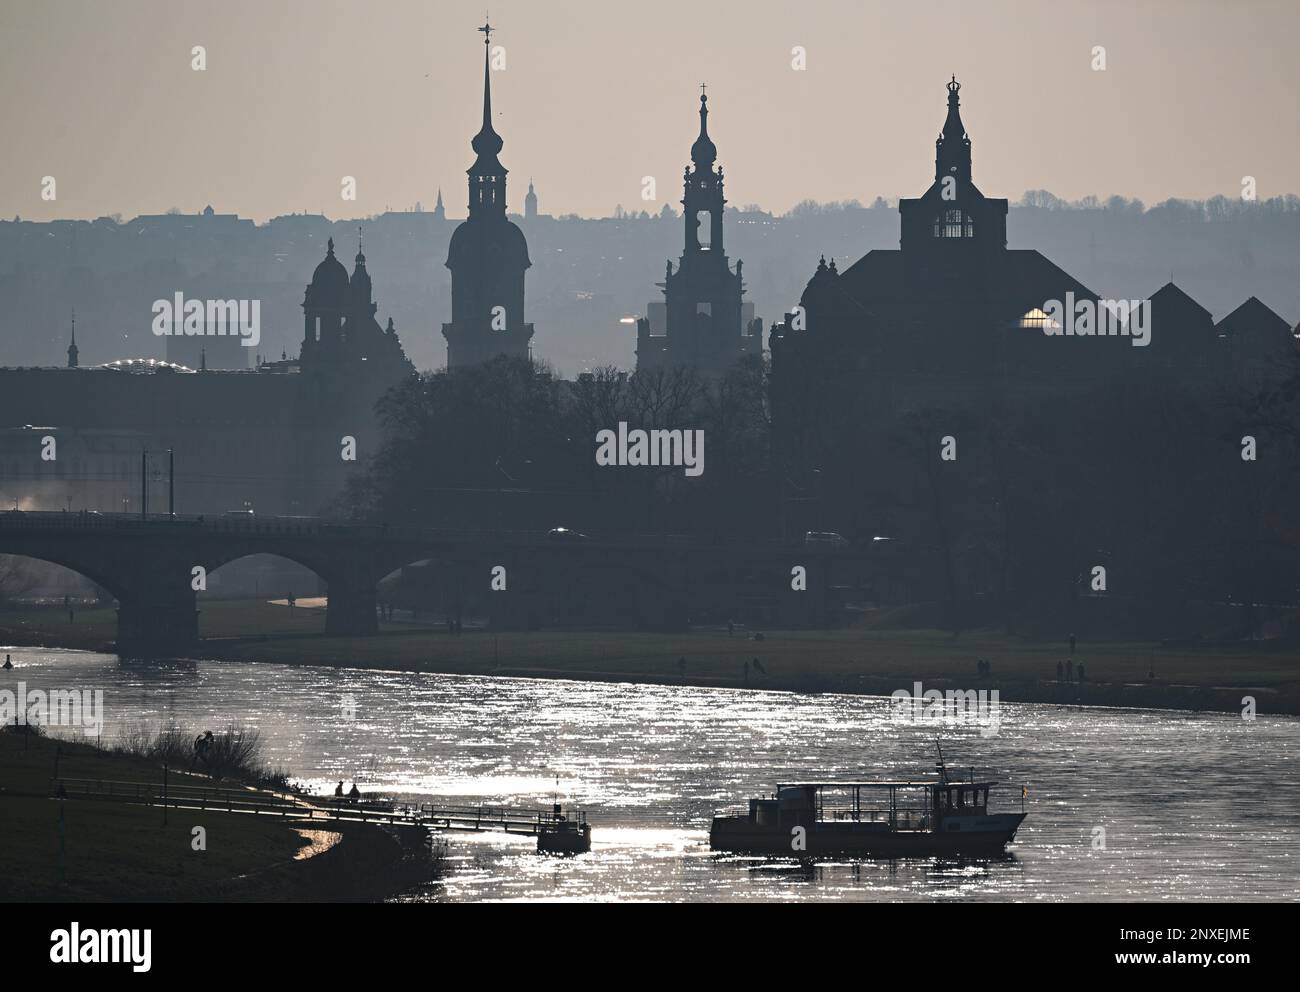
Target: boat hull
x=975 y=836
x=571 y=839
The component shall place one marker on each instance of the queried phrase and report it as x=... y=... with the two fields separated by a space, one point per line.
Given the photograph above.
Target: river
x=1194 y=806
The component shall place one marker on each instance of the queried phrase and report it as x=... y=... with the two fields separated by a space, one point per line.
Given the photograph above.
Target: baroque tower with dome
x=488 y=257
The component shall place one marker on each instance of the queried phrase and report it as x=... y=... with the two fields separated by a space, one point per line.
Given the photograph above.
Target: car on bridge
x=565 y=536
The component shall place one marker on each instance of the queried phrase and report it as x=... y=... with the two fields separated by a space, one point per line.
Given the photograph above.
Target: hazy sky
x=597 y=94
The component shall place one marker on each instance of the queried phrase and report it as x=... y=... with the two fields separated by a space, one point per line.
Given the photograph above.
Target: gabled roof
x=1170 y=298
x=1253 y=317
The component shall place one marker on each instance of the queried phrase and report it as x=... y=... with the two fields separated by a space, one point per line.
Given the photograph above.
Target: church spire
x=704 y=152
x=487 y=143
x=952 y=149
x=72 y=348
x=487 y=176
x=703 y=191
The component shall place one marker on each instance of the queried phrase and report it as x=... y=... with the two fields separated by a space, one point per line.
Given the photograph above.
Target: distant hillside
x=587 y=274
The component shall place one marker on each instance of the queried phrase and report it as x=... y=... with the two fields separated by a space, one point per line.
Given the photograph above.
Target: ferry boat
x=935 y=816
x=562 y=833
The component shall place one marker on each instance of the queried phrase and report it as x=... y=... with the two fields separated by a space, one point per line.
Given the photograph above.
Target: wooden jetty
x=557 y=831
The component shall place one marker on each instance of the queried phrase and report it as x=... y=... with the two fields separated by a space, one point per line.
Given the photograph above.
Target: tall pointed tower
x=73 y=352
x=952 y=224
x=530 y=202
x=488 y=256
x=704 y=327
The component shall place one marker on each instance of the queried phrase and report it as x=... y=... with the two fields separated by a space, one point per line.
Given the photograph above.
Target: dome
x=475 y=240
x=820 y=286
x=329 y=283
x=487 y=143
x=704 y=152
x=361 y=278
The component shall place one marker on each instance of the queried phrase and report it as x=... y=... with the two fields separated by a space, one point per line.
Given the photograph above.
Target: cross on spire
x=487 y=31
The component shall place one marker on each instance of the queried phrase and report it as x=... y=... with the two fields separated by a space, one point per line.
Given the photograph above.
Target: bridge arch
x=261 y=592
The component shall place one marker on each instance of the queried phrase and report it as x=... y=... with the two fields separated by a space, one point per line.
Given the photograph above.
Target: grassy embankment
x=857 y=660
x=86 y=850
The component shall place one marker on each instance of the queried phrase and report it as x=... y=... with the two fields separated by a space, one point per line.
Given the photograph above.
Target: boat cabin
x=901 y=805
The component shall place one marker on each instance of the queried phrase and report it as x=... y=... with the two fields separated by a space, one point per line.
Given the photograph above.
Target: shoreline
x=258 y=858
x=296 y=649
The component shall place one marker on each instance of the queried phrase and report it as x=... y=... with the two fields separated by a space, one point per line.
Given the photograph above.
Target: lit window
x=1038 y=320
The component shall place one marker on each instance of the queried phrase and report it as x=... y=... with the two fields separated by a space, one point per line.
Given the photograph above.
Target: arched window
x=954 y=224
x=1037 y=320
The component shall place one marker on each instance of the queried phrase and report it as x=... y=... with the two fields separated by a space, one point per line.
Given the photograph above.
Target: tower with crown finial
x=952 y=225
x=705 y=326
x=487 y=256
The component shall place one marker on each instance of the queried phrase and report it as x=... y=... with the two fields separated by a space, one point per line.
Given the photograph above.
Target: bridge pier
x=350 y=609
x=157 y=627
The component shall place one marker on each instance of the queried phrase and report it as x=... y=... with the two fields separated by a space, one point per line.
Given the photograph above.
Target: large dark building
x=488 y=257
x=706 y=325
x=951 y=314
x=270 y=439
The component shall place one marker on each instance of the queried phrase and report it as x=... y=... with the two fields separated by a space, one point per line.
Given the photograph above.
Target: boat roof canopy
x=883 y=785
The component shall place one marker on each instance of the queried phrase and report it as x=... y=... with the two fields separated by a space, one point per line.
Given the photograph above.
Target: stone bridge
x=149 y=565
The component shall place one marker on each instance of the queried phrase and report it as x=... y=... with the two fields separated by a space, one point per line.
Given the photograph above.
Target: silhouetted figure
x=8 y=664
x=451 y=626
x=758 y=667
x=731 y=628
x=292 y=599
x=1071 y=644
x=338 y=789
x=1151 y=675
x=1060 y=671
x=1069 y=670
x=354 y=792
x=202 y=747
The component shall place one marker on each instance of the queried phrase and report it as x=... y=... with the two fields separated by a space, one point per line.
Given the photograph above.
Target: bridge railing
x=289 y=526
x=156 y=794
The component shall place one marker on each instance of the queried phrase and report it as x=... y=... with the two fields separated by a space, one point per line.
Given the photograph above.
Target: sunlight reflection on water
x=1195 y=806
